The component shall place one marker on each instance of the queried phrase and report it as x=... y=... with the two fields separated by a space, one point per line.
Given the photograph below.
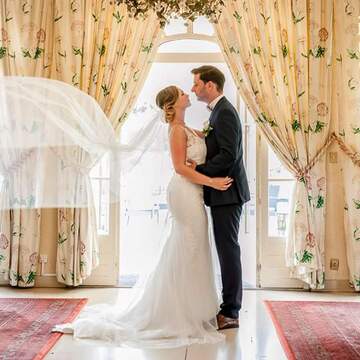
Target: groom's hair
x=210 y=73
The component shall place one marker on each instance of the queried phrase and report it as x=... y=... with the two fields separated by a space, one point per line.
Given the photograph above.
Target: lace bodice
x=196 y=147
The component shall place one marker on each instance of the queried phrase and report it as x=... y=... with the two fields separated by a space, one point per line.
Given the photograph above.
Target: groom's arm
x=227 y=134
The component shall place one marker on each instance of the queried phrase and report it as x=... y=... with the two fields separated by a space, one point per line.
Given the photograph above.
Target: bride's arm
x=178 y=145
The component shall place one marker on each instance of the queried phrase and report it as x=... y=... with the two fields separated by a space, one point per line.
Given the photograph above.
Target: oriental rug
x=314 y=330
x=25 y=325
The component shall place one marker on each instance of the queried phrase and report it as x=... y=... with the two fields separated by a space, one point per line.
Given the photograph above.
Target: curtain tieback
x=353 y=155
x=302 y=174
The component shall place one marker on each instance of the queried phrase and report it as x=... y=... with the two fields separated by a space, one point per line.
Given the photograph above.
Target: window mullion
x=190 y=27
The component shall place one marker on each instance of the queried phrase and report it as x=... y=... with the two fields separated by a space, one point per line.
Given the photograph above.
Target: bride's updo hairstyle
x=166 y=99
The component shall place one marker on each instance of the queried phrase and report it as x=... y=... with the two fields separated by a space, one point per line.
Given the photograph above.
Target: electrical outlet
x=333 y=158
x=334 y=264
x=43 y=259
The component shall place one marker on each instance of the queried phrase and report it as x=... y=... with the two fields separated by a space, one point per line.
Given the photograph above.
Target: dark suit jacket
x=225 y=156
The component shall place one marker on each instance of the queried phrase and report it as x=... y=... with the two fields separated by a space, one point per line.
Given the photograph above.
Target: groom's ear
x=211 y=85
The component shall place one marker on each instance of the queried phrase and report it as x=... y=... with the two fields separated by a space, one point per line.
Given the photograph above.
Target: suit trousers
x=226 y=223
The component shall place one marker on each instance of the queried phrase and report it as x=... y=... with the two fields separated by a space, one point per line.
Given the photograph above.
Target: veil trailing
x=52 y=135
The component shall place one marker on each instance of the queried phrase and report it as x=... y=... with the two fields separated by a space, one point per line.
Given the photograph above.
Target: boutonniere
x=207 y=128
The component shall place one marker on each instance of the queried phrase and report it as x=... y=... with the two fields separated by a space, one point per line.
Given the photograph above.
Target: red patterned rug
x=25 y=325
x=314 y=330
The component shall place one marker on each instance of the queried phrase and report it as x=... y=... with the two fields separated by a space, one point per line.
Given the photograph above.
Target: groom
x=224 y=158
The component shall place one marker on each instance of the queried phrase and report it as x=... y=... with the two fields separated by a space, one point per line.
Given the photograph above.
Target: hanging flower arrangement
x=165 y=10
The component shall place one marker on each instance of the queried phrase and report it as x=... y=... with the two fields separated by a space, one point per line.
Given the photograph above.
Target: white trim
x=109 y=251
x=189 y=58
x=274 y=272
x=280 y=179
x=259 y=214
x=187 y=36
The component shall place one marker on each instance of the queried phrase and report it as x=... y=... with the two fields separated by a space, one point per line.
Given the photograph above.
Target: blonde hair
x=166 y=99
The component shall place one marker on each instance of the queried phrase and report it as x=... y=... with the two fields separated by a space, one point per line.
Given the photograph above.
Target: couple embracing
x=178 y=304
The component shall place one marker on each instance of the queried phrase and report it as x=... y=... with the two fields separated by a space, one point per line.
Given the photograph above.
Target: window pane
x=101 y=200
x=176 y=26
x=280 y=197
x=192 y=46
x=102 y=168
x=96 y=171
x=203 y=26
x=276 y=169
x=105 y=166
x=103 y=215
x=144 y=214
x=100 y=182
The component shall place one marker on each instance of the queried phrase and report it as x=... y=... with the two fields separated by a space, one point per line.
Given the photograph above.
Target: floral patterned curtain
x=107 y=54
x=280 y=54
x=97 y=47
x=104 y=52
x=26 y=37
x=347 y=68
x=24 y=50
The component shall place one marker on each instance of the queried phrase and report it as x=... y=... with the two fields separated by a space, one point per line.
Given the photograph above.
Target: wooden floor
x=256 y=338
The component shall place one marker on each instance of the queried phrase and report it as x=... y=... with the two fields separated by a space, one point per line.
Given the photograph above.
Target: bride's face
x=183 y=100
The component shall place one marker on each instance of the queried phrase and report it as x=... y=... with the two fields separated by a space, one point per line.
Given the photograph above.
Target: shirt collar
x=212 y=105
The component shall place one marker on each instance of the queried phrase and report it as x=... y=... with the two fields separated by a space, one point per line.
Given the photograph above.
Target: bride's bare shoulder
x=177 y=130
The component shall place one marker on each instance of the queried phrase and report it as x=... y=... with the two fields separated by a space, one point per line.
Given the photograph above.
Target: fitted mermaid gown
x=178 y=304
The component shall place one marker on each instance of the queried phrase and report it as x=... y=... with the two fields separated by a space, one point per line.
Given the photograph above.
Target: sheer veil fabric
x=52 y=135
x=43 y=122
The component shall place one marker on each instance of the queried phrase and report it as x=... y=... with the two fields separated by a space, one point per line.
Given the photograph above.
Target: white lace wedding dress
x=178 y=304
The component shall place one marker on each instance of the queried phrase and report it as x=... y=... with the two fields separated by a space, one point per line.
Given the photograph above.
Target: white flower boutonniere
x=207 y=128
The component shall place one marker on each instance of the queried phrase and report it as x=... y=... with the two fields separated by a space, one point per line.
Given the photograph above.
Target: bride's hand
x=221 y=183
x=191 y=164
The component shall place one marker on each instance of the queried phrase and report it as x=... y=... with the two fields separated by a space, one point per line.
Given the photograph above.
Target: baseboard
x=337 y=285
x=47 y=282
x=51 y=282
x=41 y=282
x=330 y=285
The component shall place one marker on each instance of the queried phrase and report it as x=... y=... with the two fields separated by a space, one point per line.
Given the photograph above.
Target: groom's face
x=200 y=89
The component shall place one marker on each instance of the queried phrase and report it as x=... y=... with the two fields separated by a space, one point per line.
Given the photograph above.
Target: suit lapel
x=212 y=118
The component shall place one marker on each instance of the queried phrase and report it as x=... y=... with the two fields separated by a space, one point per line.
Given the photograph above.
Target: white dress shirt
x=212 y=105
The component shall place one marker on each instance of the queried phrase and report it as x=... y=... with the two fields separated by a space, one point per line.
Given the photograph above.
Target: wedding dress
x=178 y=304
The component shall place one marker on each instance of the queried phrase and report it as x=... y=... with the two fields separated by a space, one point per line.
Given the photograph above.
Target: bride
x=178 y=304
